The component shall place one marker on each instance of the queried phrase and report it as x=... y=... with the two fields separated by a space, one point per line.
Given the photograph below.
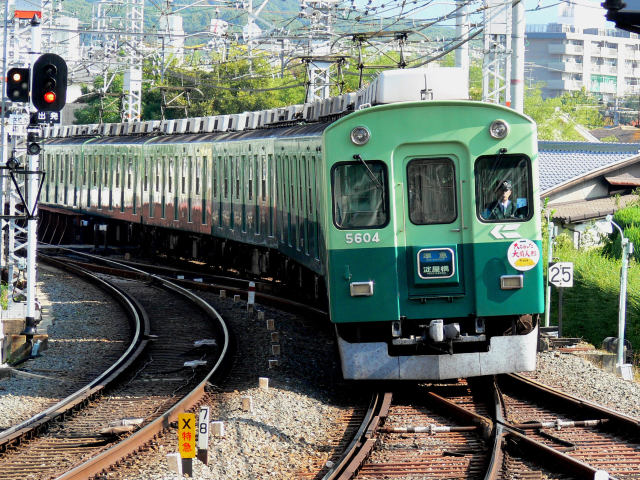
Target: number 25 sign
x=561 y=274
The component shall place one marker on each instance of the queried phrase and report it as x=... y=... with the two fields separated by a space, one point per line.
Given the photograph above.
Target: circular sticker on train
x=523 y=254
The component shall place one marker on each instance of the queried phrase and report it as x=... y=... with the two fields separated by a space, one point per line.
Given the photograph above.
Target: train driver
x=502 y=207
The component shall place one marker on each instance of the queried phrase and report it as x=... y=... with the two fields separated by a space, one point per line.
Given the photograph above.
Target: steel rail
x=535 y=449
x=362 y=444
x=141 y=326
x=615 y=419
x=265 y=298
x=132 y=443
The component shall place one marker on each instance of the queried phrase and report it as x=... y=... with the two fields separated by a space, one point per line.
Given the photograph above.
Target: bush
x=629 y=220
x=627 y=217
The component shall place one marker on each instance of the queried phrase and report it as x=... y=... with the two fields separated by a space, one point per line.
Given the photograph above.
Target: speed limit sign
x=560 y=274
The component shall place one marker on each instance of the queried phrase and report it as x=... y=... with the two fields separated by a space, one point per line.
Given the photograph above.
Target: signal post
x=36 y=95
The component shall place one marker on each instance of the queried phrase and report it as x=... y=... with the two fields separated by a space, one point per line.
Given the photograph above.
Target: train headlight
x=361 y=289
x=360 y=135
x=511 y=282
x=499 y=129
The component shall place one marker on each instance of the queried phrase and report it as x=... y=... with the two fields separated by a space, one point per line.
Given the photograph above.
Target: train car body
x=388 y=207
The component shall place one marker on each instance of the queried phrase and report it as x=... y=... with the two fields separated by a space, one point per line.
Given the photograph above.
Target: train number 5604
x=361 y=237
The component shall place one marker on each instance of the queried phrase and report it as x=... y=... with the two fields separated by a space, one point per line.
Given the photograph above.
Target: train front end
x=431 y=273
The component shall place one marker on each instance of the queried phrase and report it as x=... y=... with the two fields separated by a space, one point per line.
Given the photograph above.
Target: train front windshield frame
x=494 y=175
x=360 y=195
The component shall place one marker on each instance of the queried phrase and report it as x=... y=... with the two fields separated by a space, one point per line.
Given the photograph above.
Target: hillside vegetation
x=590 y=308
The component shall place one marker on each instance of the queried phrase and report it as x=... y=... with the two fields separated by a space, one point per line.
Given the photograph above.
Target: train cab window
x=360 y=197
x=432 y=191
x=503 y=188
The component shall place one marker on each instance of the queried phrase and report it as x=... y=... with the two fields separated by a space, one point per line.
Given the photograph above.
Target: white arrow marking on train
x=506 y=231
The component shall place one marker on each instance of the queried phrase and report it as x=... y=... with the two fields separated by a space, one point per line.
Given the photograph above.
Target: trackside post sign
x=187 y=435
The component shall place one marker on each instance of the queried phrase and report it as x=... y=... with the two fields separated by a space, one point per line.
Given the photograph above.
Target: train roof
x=392 y=86
x=294 y=131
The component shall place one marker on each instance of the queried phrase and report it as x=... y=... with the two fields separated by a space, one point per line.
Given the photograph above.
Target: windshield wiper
x=371 y=175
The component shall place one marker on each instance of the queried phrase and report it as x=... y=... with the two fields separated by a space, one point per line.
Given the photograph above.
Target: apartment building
x=582 y=50
x=567 y=58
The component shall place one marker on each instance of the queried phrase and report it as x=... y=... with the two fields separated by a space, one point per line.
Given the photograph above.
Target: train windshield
x=503 y=188
x=360 y=195
x=432 y=191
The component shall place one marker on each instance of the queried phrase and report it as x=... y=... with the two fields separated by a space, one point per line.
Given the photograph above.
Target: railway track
x=504 y=429
x=133 y=400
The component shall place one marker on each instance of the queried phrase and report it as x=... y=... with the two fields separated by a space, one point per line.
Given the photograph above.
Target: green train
x=415 y=214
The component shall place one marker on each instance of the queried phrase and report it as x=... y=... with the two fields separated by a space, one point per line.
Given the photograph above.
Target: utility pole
x=517 y=57
x=496 y=66
x=319 y=61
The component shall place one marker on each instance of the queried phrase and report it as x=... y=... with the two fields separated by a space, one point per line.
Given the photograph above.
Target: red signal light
x=49 y=97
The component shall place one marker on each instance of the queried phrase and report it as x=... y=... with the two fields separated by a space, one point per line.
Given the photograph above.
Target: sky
x=547 y=11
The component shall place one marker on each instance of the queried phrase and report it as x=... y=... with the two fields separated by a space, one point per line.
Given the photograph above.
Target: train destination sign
x=436 y=263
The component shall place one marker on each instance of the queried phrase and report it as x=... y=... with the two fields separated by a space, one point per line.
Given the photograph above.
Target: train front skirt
x=371 y=361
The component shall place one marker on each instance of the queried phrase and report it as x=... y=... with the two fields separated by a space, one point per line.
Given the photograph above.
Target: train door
x=242 y=197
x=82 y=180
x=134 y=195
x=280 y=203
x=270 y=193
x=249 y=210
x=101 y=176
x=173 y=184
x=228 y=193
x=64 y=161
x=286 y=181
x=189 y=185
x=72 y=178
x=92 y=195
x=111 y=166
x=295 y=227
x=123 y=162
x=429 y=204
x=304 y=204
x=255 y=168
x=239 y=187
x=204 y=192
x=216 y=213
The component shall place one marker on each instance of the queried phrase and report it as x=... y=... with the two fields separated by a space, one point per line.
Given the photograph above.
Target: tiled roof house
x=586 y=181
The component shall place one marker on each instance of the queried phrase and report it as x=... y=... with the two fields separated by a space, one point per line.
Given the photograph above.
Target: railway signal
x=18 y=85
x=49 y=80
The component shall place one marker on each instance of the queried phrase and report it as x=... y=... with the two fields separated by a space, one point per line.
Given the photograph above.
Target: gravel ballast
x=81 y=345
x=284 y=435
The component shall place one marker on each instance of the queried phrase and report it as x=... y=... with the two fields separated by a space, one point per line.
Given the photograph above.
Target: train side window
x=86 y=161
x=360 y=196
x=432 y=191
x=129 y=169
x=170 y=182
x=95 y=170
x=226 y=178
x=183 y=178
x=263 y=187
x=157 y=175
x=146 y=174
x=198 y=172
x=238 y=177
x=250 y=192
x=504 y=192
x=214 y=175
